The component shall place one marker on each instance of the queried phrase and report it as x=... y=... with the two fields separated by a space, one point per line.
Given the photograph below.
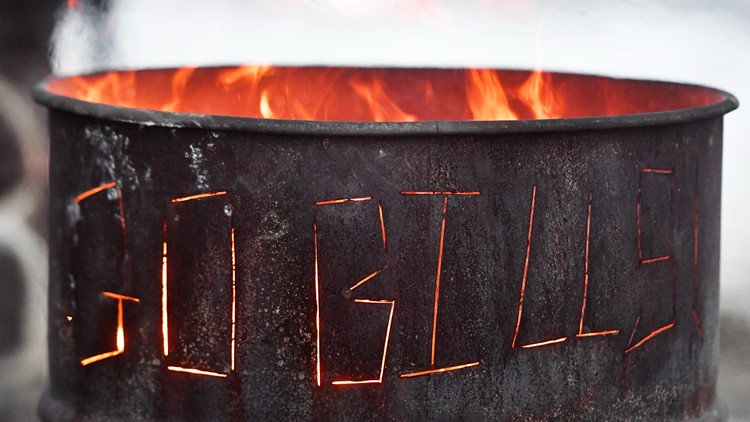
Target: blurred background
x=704 y=42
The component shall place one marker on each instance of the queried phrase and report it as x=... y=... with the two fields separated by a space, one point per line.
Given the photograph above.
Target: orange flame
x=383 y=108
x=378 y=94
x=540 y=100
x=179 y=82
x=486 y=96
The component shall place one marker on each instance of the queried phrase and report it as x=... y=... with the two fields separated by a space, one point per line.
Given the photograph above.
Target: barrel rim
x=146 y=117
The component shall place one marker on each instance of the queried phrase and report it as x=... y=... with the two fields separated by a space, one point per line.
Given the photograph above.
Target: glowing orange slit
x=437 y=280
x=544 y=343
x=69 y=318
x=120 y=328
x=365 y=280
x=638 y=214
x=439 y=193
x=164 y=317
x=652 y=260
x=358 y=284
x=638 y=221
x=635 y=327
x=120 y=335
x=387 y=336
x=439 y=370
x=234 y=300
x=94 y=191
x=356 y=382
x=658 y=171
x=199 y=196
x=598 y=333
x=317 y=303
x=696 y=280
x=333 y=201
x=97 y=358
x=697 y=320
x=385 y=346
x=586 y=281
x=586 y=266
x=119 y=296
x=196 y=371
x=650 y=336
x=341 y=201
x=525 y=266
x=122 y=219
x=382 y=226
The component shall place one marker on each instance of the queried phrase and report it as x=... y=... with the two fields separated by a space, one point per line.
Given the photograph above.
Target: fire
x=486 y=96
x=540 y=100
x=377 y=94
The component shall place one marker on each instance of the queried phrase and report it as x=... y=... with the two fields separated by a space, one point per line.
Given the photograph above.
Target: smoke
x=79 y=41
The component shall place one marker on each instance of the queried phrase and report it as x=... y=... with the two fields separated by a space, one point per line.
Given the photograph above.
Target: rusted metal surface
x=474 y=274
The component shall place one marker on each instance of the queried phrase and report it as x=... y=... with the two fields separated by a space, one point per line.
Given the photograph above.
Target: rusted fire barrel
x=206 y=266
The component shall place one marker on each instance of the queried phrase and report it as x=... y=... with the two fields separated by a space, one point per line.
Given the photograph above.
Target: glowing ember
x=377 y=94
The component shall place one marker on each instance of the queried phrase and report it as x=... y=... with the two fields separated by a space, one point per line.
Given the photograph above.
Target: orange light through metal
x=317 y=305
x=586 y=281
x=94 y=191
x=544 y=343
x=650 y=336
x=652 y=260
x=658 y=331
x=120 y=335
x=164 y=315
x=382 y=227
x=341 y=201
x=196 y=371
x=438 y=273
x=696 y=279
x=598 y=333
x=392 y=303
x=439 y=370
x=365 y=280
x=586 y=267
x=658 y=171
x=234 y=301
x=164 y=280
x=199 y=196
x=437 y=281
x=439 y=193
x=638 y=215
x=635 y=327
x=525 y=266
